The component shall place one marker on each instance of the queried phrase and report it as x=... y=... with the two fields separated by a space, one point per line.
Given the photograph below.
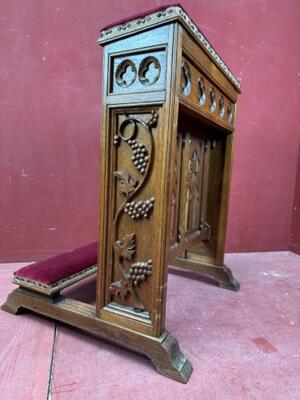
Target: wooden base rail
x=163 y=351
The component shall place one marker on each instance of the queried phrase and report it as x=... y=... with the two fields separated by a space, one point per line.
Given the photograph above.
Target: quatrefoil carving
x=202 y=92
x=212 y=96
x=221 y=106
x=149 y=71
x=126 y=73
x=186 y=79
x=229 y=112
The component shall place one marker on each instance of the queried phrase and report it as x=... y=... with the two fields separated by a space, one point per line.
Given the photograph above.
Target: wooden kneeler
x=168 y=117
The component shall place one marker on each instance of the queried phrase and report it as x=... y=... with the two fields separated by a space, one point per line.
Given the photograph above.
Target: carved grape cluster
x=139 y=209
x=140 y=271
x=140 y=156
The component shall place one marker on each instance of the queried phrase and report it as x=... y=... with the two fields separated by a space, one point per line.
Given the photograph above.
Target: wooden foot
x=170 y=362
x=226 y=280
x=163 y=351
x=11 y=305
x=221 y=274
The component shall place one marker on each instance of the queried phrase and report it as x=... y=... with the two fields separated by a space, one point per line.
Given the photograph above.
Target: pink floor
x=242 y=345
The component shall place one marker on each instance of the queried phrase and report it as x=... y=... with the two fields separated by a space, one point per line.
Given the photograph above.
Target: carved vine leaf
x=126 y=181
x=125 y=248
x=134 y=274
x=119 y=289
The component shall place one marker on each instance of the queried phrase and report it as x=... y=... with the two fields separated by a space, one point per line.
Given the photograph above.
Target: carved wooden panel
x=135 y=177
x=138 y=72
x=208 y=248
x=197 y=88
x=190 y=192
x=197 y=198
x=133 y=273
x=190 y=185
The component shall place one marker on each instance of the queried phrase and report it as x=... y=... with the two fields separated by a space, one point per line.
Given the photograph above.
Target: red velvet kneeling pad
x=61 y=266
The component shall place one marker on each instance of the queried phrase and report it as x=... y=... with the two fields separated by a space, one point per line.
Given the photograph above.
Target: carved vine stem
x=129 y=185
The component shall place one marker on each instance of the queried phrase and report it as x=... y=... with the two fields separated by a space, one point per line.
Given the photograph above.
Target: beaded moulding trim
x=160 y=17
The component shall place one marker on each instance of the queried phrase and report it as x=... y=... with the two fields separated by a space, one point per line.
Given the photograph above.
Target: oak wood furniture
x=169 y=109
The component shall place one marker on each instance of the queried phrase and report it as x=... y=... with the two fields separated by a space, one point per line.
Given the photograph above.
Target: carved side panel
x=197 y=199
x=202 y=93
x=191 y=187
x=134 y=217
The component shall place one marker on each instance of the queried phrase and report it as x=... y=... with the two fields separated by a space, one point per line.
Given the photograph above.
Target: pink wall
x=295 y=234
x=50 y=110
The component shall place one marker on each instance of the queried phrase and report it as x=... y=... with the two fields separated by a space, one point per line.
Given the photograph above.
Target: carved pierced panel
x=199 y=89
x=230 y=115
x=221 y=105
x=138 y=72
x=212 y=99
x=149 y=71
x=125 y=73
x=202 y=91
x=186 y=79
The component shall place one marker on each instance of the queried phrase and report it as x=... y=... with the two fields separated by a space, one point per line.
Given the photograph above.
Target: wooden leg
x=221 y=274
x=163 y=351
x=12 y=305
x=170 y=361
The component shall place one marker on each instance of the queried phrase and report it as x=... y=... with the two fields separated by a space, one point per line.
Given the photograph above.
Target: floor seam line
x=52 y=362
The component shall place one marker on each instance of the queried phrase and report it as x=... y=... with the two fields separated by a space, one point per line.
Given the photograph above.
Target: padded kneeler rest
x=53 y=274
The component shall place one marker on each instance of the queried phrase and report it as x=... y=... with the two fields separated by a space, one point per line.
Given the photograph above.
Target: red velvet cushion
x=58 y=267
x=140 y=15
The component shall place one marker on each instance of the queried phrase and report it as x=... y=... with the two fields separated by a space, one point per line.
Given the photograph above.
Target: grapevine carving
x=141 y=158
x=133 y=274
